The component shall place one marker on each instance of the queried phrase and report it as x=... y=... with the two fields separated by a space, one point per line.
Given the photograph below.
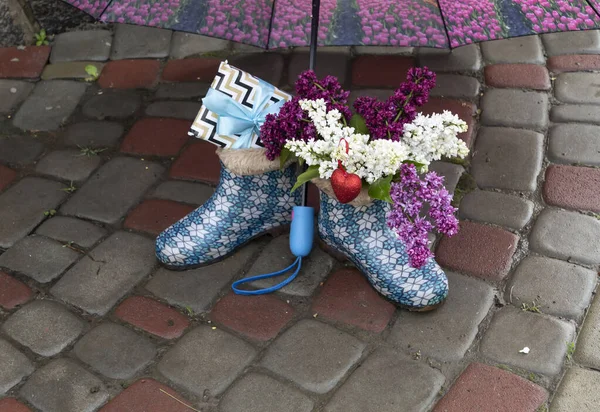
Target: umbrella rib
x=108 y=3
x=444 y=21
x=593 y=7
x=271 y=24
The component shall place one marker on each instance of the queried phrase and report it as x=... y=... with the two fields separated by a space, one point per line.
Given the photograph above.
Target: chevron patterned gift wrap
x=247 y=92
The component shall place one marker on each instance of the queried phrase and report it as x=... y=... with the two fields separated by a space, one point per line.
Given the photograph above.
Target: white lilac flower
x=426 y=139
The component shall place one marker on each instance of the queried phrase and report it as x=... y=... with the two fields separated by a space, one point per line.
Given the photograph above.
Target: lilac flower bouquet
x=387 y=144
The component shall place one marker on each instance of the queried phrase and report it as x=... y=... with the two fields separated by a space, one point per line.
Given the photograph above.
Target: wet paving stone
x=64 y=386
x=44 y=326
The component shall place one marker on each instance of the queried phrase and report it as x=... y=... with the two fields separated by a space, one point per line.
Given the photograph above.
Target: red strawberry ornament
x=346 y=186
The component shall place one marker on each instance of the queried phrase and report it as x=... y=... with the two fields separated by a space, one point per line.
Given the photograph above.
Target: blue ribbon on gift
x=235 y=119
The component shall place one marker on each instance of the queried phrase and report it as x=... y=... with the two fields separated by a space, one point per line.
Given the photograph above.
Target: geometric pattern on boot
x=361 y=234
x=242 y=208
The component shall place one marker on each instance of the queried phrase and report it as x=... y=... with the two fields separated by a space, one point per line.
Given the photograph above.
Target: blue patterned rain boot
x=359 y=231
x=252 y=197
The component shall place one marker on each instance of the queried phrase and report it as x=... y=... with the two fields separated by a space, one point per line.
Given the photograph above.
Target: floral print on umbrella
x=284 y=23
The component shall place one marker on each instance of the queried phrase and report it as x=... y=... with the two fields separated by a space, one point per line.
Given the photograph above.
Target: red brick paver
x=13 y=292
x=485 y=388
x=6 y=176
x=129 y=74
x=157 y=137
x=146 y=395
x=198 y=162
x=155 y=215
x=258 y=317
x=348 y=297
x=462 y=109
x=27 y=63
x=574 y=63
x=527 y=76
x=380 y=71
x=478 y=250
x=12 y=405
x=153 y=317
x=191 y=70
x=573 y=187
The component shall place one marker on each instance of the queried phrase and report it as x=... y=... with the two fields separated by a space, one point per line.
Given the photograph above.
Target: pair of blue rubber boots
x=253 y=197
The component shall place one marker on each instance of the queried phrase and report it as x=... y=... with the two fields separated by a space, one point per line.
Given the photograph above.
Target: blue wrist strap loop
x=297 y=262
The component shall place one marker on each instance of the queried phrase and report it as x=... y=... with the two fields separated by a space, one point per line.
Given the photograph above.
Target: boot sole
x=342 y=257
x=275 y=232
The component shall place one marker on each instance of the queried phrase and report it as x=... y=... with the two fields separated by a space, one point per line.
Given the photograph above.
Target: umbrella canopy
x=284 y=23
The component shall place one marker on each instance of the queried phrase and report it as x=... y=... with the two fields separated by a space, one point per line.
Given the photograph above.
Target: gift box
x=235 y=107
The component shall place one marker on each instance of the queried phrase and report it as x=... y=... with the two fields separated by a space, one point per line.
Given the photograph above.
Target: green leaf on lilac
x=311 y=173
x=284 y=156
x=359 y=124
x=380 y=189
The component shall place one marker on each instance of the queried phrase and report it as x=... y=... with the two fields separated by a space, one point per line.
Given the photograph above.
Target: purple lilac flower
x=291 y=123
x=386 y=120
x=308 y=86
x=409 y=195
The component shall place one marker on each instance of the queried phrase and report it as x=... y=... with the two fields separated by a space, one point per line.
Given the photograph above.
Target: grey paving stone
x=182 y=90
x=115 y=351
x=23 y=205
x=69 y=70
x=68 y=229
x=578 y=391
x=526 y=49
x=559 y=288
x=93 y=134
x=43 y=326
x=577 y=113
x=197 y=288
x=580 y=42
x=574 y=143
x=64 y=386
x=463 y=59
x=375 y=50
x=454 y=85
x=206 y=361
x=567 y=235
x=450 y=171
x=334 y=64
x=175 y=109
x=38 y=258
x=277 y=255
x=107 y=273
x=588 y=343
x=259 y=393
x=49 y=105
x=113 y=190
x=246 y=48
x=132 y=42
x=313 y=355
x=513 y=329
x=116 y=104
x=577 y=88
x=81 y=45
x=514 y=108
x=497 y=208
x=447 y=332
x=20 y=150
x=266 y=66
x=68 y=165
x=12 y=93
x=386 y=382
x=185 y=192
x=507 y=158
x=187 y=44
x=14 y=366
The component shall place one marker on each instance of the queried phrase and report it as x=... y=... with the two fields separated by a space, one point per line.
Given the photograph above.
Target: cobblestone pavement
x=91 y=171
